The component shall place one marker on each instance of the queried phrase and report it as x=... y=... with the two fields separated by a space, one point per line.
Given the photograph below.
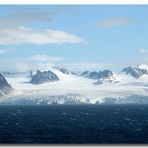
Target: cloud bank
x=119 y=21
x=19 y=19
x=22 y=35
x=42 y=62
x=46 y=58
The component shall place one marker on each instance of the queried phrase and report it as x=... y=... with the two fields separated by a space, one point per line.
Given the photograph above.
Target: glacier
x=75 y=89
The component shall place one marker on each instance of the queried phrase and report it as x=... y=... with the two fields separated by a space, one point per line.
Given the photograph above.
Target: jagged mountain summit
x=63 y=69
x=105 y=76
x=97 y=75
x=44 y=77
x=5 y=87
x=136 y=71
x=90 y=75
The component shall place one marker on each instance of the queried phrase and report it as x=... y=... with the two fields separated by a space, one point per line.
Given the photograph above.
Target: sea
x=74 y=124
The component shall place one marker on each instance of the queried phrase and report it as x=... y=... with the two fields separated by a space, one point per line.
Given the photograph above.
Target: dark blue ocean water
x=74 y=124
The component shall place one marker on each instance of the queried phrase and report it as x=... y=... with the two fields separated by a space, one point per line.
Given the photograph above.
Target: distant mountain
x=97 y=75
x=65 y=70
x=62 y=69
x=85 y=73
x=107 y=80
x=44 y=77
x=106 y=76
x=136 y=71
x=8 y=73
x=90 y=74
x=5 y=87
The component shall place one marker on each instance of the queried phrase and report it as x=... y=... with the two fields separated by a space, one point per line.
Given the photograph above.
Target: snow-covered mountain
x=105 y=76
x=63 y=70
x=136 y=71
x=76 y=89
x=105 y=80
x=44 y=77
x=90 y=74
x=97 y=75
x=5 y=87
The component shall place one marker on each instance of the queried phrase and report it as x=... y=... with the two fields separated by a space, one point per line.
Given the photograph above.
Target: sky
x=78 y=37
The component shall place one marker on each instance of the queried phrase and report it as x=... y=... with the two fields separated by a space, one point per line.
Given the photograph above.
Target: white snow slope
x=72 y=89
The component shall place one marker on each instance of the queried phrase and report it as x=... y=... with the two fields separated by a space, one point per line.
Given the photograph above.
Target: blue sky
x=79 y=37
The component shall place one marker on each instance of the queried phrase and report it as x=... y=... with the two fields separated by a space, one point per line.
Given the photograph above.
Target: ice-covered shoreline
x=76 y=90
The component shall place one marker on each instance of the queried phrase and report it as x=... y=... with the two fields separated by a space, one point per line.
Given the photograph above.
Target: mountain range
x=136 y=71
x=59 y=81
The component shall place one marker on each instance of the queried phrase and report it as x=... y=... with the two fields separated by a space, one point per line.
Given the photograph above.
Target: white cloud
x=33 y=63
x=41 y=62
x=18 y=16
x=142 y=50
x=18 y=66
x=23 y=65
x=22 y=35
x=46 y=58
x=119 y=21
x=22 y=18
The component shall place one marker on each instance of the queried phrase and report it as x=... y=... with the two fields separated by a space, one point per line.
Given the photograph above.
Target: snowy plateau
x=128 y=86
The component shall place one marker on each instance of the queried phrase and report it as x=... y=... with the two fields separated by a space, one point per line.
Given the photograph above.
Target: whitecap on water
x=127 y=119
x=13 y=114
x=19 y=111
x=142 y=108
x=138 y=129
x=6 y=123
x=130 y=123
x=47 y=125
x=115 y=124
x=16 y=124
x=73 y=118
x=115 y=113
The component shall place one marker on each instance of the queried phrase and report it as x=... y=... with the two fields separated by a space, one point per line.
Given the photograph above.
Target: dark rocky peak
x=135 y=72
x=44 y=77
x=5 y=87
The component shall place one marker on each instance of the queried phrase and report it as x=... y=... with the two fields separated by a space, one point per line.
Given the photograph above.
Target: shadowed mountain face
x=135 y=72
x=63 y=70
x=97 y=75
x=5 y=87
x=105 y=76
x=44 y=77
